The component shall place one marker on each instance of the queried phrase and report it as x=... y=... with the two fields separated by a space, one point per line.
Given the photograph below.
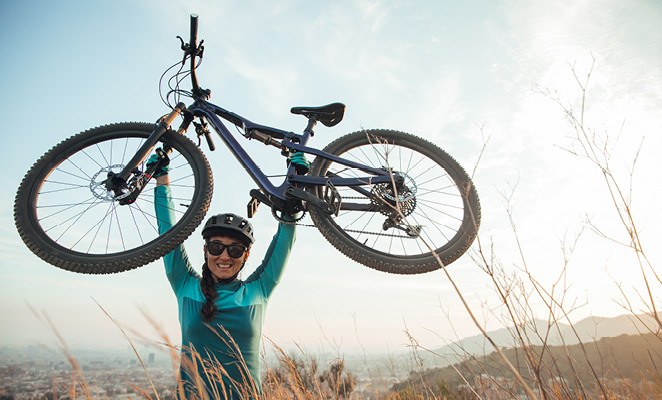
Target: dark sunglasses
x=217 y=248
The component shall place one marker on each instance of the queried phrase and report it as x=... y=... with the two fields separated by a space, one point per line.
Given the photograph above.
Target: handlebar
x=193 y=49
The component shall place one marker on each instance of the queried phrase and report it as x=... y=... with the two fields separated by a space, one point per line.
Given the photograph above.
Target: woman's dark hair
x=207 y=281
x=210 y=293
x=208 y=290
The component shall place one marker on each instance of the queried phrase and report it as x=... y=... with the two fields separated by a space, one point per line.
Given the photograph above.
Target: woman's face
x=223 y=266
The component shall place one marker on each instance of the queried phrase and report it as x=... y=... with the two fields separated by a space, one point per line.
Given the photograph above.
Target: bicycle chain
x=346 y=230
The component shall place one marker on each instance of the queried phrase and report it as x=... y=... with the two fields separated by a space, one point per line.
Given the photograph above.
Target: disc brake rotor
x=98 y=184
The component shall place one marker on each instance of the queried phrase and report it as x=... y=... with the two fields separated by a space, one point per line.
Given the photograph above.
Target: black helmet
x=229 y=221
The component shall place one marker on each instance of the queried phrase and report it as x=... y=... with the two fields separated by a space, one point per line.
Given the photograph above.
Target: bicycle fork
x=127 y=191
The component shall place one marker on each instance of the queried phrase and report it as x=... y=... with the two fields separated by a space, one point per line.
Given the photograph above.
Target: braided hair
x=210 y=293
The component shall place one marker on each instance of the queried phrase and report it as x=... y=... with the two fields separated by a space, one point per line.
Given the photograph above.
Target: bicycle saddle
x=329 y=115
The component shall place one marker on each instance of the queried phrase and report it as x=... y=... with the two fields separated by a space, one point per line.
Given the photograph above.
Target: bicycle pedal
x=251 y=207
x=257 y=197
x=333 y=198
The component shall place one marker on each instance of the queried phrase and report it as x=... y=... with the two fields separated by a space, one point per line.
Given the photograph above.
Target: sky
x=469 y=76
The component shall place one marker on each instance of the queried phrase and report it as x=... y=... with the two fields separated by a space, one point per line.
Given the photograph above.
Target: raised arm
x=268 y=274
x=177 y=266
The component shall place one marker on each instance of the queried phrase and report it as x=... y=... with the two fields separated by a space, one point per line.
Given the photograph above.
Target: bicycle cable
x=174 y=82
x=165 y=99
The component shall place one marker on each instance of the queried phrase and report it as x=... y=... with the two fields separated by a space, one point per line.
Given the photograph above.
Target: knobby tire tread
x=394 y=263
x=42 y=246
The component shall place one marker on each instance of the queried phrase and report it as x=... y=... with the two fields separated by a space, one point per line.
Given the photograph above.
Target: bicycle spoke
x=438 y=207
x=66 y=208
x=85 y=174
x=75 y=219
x=70 y=186
x=83 y=178
x=87 y=225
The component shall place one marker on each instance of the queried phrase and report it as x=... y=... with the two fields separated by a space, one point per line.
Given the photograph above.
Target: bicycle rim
x=67 y=217
x=437 y=210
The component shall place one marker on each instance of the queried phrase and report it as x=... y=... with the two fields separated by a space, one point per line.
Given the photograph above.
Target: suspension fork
x=118 y=182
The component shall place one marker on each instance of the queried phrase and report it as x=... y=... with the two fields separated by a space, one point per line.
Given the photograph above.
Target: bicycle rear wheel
x=394 y=230
x=65 y=215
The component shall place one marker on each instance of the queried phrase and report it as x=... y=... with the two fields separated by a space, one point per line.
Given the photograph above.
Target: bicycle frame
x=292 y=141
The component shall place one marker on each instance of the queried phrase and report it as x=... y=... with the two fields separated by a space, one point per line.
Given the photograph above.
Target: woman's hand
x=161 y=174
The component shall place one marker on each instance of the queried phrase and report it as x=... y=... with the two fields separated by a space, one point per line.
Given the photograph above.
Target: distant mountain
x=373 y=366
x=626 y=365
x=537 y=332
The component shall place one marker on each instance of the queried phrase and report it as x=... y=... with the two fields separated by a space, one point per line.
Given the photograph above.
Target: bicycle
x=379 y=196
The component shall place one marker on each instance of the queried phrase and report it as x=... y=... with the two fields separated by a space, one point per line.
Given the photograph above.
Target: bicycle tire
x=448 y=222
x=62 y=211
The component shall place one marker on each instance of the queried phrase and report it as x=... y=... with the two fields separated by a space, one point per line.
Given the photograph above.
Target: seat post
x=312 y=121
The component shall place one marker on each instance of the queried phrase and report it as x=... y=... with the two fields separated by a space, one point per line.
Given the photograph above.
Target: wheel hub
x=98 y=183
x=387 y=198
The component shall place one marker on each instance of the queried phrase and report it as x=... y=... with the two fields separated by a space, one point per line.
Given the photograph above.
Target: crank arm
x=296 y=193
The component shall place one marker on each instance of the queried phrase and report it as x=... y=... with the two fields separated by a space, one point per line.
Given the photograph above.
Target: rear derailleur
x=413 y=231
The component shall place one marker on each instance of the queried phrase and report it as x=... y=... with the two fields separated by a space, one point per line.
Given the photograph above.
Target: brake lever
x=200 y=49
x=185 y=47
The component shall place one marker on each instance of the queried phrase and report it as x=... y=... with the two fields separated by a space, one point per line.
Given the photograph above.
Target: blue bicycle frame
x=291 y=141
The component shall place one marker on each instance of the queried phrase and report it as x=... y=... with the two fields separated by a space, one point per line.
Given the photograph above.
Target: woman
x=221 y=316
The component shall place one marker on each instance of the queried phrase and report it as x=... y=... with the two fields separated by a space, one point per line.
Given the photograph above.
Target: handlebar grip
x=194 y=30
x=193 y=48
x=210 y=142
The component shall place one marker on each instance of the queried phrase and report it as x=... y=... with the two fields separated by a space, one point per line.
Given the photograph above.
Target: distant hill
x=587 y=330
x=397 y=366
x=628 y=359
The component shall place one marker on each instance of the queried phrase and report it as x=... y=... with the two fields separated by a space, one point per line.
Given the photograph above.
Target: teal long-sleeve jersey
x=231 y=340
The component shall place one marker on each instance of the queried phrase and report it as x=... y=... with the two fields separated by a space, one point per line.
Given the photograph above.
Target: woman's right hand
x=160 y=174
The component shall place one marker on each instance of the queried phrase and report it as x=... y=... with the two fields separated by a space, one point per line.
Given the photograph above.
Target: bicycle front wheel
x=435 y=213
x=65 y=215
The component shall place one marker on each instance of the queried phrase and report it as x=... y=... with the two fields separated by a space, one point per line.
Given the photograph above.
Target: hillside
x=587 y=330
x=626 y=358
